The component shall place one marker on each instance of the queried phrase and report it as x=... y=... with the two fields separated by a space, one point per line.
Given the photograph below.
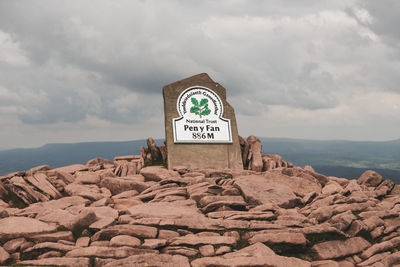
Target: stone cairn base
x=128 y=213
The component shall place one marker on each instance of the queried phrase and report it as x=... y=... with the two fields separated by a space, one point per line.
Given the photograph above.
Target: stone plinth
x=219 y=149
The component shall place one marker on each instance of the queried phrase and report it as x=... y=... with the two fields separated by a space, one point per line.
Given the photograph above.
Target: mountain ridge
x=341 y=158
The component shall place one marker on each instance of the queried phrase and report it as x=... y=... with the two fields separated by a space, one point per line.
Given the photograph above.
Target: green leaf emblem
x=201 y=108
x=194 y=101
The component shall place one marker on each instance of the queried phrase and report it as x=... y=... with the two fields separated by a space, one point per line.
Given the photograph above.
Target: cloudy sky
x=74 y=71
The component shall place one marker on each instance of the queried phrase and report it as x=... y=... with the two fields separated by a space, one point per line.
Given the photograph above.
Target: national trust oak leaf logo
x=201 y=108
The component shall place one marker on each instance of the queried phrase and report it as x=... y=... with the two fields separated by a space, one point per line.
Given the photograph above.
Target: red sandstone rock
x=13 y=227
x=370 y=178
x=257 y=191
x=157 y=173
x=254 y=156
x=124 y=240
x=279 y=238
x=4 y=256
x=339 y=249
x=57 y=261
x=160 y=260
x=175 y=214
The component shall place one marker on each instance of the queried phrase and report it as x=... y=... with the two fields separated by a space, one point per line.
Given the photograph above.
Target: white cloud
x=10 y=51
x=307 y=69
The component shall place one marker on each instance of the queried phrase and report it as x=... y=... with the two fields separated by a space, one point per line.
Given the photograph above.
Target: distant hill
x=339 y=158
x=57 y=155
x=335 y=158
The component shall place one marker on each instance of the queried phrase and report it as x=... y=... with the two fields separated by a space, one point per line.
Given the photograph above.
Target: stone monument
x=200 y=125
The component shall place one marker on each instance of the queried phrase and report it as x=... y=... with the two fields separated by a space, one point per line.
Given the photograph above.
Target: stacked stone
x=128 y=165
x=153 y=154
x=254 y=160
x=204 y=217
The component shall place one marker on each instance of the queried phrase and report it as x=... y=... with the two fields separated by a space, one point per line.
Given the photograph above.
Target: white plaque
x=200 y=110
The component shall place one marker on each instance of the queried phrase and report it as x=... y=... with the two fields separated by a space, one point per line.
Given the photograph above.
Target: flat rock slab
x=175 y=210
x=258 y=191
x=119 y=185
x=157 y=173
x=72 y=168
x=58 y=261
x=91 y=192
x=13 y=227
x=108 y=252
x=52 y=237
x=140 y=231
x=279 y=238
x=50 y=245
x=160 y=260
x=300 y=185
x=338 y=249
x=254 y=255
x=194 y=240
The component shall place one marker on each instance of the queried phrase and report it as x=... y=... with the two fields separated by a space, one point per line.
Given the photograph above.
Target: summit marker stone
x=200 y=125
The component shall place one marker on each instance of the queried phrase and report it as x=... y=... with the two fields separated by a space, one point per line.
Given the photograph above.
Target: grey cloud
x=108 y=62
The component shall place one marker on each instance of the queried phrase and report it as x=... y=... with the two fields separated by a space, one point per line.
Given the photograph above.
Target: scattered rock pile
x=254 y=160
x=123 y=214
x=251 y=149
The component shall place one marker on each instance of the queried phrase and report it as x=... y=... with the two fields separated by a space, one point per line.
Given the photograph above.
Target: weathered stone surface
x=254 y=255
x=279 y=238
x=222 y=250
x=258 y=191
x=27 y=194
x=302 y=185
x=180 y=250
x=80 y=221
x=337 y=249
x=50 y=254
x=87 y=178
x=167 y=234
x=157 y=173
x=207 y=250
x=57 y=261
x=370 y=178
x=13 y=227
x=325 y=263
x=102 y=223
x=108 y=252
x=192 y=155
x=124 y=240
x=82 y=241
x=50 y=245
x=199 y=214
x=14 y=244
x=140 y=231
x=194 y=240
x=52 y=237
x=182 y=209
x=153 y=260
x=98 y=161
x=4 y=255
x=72 y=168
x=120 y=185
x=40 y=181
x=255 y=161
x=126 y=204
x=41 y=168
x=91 y=192
x=383 y=246
x=154 y=243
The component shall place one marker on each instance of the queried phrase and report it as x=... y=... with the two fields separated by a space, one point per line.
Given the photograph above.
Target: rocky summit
x=131 y=212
